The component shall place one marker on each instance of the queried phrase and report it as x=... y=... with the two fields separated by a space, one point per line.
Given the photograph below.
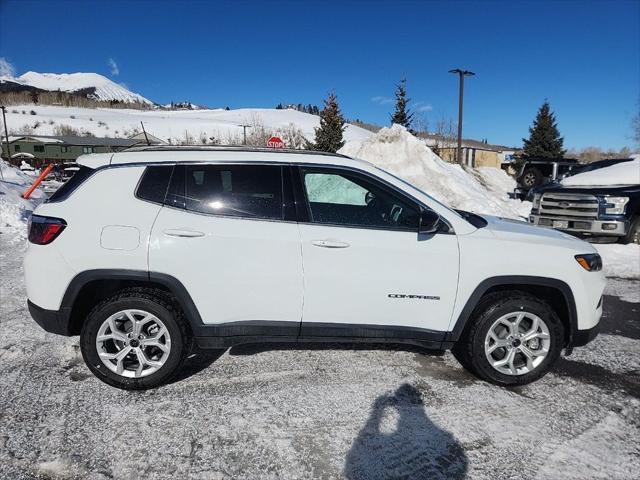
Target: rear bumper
x=585 y=226
x=53 y=321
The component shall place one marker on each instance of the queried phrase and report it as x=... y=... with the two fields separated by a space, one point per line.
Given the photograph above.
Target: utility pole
x=6 y=134
x=244 y=133
x=461 y=74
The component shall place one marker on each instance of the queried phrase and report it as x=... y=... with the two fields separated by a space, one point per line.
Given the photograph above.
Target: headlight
x=591 y=262
x=615 y=205
x=536 y=201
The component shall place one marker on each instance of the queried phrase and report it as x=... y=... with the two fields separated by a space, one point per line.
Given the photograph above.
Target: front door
x=367 y=271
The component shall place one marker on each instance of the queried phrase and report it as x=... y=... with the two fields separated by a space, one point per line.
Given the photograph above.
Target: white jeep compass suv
x=146 y=251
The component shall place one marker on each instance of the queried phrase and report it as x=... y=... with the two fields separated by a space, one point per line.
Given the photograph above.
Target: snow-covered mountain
x=92 y=84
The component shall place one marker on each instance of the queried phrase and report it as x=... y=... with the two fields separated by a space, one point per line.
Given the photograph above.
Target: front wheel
x=514 y=339
x=134 y=340
x=633 y=235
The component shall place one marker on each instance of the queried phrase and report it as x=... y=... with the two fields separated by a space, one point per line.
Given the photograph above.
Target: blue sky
x=584 y=56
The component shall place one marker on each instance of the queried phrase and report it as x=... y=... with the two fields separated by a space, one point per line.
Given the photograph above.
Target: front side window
x=340 y=197
x=234 y=190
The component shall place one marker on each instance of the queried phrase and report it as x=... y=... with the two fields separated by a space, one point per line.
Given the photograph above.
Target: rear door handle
x=329 y=244
x=183 y=233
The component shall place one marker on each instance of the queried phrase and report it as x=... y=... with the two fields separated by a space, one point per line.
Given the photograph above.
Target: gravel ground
x=318 y=412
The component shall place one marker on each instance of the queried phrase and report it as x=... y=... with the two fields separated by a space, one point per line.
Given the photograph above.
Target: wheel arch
x=556 y=292
x=90 y=286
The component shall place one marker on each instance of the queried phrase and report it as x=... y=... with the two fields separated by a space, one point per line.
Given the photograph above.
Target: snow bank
x=626 y=173
x=15 y=210
x=394 y=149
x=622 y=261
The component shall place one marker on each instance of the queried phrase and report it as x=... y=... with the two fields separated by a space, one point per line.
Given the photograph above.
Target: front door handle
x=183 y=233
x=329 y=244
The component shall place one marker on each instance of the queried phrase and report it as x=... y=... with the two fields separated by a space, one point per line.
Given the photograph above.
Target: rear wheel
x=135 y=340
x=514 y=339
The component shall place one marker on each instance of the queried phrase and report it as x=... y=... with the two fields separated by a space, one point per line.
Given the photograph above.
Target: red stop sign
x=275 y=142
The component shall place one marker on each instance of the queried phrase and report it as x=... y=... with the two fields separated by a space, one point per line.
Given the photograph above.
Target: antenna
x=145 y=134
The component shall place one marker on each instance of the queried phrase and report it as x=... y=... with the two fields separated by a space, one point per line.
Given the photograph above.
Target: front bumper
x=582 y=337
x=53 y=321
x=583 y=226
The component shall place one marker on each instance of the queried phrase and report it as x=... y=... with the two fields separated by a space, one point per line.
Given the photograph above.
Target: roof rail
x=224 y=148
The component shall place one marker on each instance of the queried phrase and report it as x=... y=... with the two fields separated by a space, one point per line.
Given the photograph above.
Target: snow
x=71 y=82
x=622 y=261
x=395 y=150
x=222 y=124
x=14 y=210
x=290 y=412
x=625 y=173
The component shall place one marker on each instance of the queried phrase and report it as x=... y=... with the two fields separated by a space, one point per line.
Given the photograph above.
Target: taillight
x=44 y=230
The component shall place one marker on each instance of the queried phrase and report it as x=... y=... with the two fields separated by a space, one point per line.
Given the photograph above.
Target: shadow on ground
x=400 y=441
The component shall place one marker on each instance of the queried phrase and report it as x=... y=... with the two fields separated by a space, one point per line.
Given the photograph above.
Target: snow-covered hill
x=224 y=125
x=95 y=85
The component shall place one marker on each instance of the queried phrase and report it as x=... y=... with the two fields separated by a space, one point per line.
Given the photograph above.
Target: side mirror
x=429 y=222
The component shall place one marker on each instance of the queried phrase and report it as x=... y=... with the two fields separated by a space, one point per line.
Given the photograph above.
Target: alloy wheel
x=133 y=343
x=517 y=343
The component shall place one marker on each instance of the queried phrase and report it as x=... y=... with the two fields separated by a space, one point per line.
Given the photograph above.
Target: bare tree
x=292 y=136
x=444 y=136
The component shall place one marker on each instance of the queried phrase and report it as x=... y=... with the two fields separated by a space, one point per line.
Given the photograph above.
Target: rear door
x=224 y=235
x=367 y=271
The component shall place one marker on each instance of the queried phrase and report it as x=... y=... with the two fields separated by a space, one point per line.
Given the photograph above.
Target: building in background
x=42 y=149
x=475 y=153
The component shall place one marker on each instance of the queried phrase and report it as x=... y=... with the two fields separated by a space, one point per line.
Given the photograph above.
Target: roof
x=227 y=148
x=467 y=142
x=218 y=153
x=75 y=140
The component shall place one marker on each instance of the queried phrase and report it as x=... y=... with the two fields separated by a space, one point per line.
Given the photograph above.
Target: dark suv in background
x=534 y=172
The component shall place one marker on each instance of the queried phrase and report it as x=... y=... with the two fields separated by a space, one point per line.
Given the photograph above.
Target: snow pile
x=625 y=173
x=621 y=261
x=15 y=210
x=394 y=149
x=178 y=126
x=105 y=89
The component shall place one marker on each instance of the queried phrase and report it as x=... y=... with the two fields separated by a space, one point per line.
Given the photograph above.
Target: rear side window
x=234 y=190
x=154 y=182
x=72 y=184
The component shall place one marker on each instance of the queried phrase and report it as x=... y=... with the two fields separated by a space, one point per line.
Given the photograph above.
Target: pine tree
x=402 y=116
x=329 y=135
x=544 y=138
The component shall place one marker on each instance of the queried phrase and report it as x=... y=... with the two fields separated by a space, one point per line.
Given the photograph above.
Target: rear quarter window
x=72 y=184
x=154 y=183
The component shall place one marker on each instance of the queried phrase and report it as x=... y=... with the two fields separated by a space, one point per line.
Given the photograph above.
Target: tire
x=633 y=235
x=164 y=339
x=499 y=312
x=531 y=177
